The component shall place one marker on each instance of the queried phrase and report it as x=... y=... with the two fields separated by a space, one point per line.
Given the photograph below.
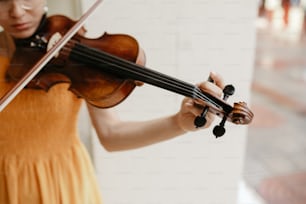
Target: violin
x=103 y=71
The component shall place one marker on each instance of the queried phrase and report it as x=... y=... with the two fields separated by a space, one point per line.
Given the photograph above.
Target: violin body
x=98 y=88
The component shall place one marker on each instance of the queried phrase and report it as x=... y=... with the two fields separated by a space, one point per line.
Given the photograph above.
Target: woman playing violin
x=41 y=157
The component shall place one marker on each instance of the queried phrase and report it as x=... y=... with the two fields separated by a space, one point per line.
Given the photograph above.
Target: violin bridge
x=55 y=38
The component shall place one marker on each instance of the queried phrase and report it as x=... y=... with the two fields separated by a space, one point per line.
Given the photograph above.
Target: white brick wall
x=185 y=39
x=71 y=8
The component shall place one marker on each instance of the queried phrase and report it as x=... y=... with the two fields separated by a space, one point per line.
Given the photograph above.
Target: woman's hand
x=190 y=110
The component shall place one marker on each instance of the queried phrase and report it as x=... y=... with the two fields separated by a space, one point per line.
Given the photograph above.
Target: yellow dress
x=42 y=160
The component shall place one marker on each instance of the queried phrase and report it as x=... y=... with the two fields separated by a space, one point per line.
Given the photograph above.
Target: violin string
x=99 y=57
x=128 y=67
x=93 y=56
x=132 y=70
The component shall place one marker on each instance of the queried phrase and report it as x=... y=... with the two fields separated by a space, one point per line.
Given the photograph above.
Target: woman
x=41 y=157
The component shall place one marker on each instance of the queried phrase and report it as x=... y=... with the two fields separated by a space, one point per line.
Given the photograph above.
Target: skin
x=19 y=22
x=115 y=134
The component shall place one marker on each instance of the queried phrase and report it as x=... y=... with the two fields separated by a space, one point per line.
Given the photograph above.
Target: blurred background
x=275 y=164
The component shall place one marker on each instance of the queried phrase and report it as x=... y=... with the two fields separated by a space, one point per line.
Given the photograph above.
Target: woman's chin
x=21 y=34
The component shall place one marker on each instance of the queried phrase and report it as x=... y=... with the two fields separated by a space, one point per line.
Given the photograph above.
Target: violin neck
x=129 y=70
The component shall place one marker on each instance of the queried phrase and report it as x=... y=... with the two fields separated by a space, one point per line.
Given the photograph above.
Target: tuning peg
x=219 y=130
x=228 y=90
x=200 y=120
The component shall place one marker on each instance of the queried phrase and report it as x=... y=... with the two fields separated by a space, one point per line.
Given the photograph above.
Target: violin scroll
x=239 y=114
